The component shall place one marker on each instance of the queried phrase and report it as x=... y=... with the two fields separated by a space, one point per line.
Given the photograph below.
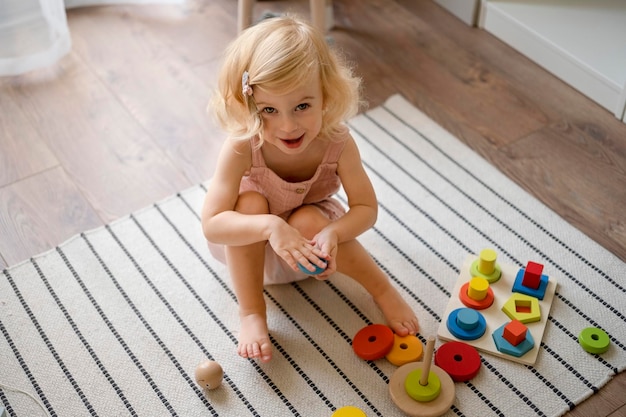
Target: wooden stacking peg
x=429 y=383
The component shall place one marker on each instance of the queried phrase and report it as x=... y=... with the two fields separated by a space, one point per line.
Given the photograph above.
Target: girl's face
x=291 y=121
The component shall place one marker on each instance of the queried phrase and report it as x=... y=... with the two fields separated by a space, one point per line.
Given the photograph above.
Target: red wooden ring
x=373 y=342
x=460 y=360
x=476 y=305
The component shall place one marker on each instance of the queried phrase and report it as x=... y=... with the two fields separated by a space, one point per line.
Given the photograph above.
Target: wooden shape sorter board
x=494 y=315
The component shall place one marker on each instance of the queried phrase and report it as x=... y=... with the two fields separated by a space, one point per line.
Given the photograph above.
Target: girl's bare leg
x=354 y=261
x=245 y=265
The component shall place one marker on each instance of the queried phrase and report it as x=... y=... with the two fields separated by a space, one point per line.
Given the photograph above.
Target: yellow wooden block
x=349 y=411
x=522 y=307
x=405 y=349
x=477 y=289
x=487 y=261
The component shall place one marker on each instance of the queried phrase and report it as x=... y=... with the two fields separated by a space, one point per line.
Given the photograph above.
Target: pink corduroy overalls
x=283 y=197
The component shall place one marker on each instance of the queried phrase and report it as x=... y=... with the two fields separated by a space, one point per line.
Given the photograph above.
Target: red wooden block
x=460 y=360
x=515 y=332
x=373 y=342
x=532 y=275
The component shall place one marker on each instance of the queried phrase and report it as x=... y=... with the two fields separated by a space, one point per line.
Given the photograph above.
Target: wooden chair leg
x=318 y=14
x=244 y=14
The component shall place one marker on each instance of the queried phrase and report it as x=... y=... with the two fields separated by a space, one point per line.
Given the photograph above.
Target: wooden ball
x=209 y=374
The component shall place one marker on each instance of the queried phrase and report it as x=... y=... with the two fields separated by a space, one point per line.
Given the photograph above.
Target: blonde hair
x=281 y=54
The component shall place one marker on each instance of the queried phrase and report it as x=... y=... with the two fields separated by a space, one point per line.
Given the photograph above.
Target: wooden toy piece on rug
x=594 y=340
x=405 y=349
x=466 y=324
x=524 y=308
x=507 y=305
x=460 y=360
x=421 y=388
x=349 y=411
x=531 y=281
x=209 y=374
x=513 y=339
x=486 y=267
x=373 y=342
x=477 y=294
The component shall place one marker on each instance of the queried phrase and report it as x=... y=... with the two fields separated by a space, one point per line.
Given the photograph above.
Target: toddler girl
x=283 y=96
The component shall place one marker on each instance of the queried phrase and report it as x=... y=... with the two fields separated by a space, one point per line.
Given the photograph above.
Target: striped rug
x=114 y=321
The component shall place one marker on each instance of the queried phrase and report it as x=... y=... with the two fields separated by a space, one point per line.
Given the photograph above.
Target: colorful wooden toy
x=594 y=340
x=317 y=270
x=466 y=324
x=532 y=275
x=460 y=360
x=486 y=267
x=530 y=281
x=515 y=332
x=405 y=349
x=477 y=294
x=209 y=374
x=349 y=411
x=504 y=346
x=422 y=380
x=373 y=342
x=522 y=307
x=494 y=315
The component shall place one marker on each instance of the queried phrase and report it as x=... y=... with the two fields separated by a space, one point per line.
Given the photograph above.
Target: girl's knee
x=251 y=202
x=309 y=220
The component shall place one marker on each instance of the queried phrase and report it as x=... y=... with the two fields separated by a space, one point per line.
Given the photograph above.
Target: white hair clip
x=246 y=90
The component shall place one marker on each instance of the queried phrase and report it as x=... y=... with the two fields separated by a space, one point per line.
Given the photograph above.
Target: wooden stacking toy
x=421 y=388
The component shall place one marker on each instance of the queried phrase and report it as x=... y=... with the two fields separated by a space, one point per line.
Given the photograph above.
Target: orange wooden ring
x=373 y=342
x=476 y=305
x=405 y=349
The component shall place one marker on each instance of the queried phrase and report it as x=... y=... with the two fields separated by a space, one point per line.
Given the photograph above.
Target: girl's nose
x=288 y=124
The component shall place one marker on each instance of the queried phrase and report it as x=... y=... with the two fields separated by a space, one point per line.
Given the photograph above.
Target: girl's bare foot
x=400 y=317
x=254 y=340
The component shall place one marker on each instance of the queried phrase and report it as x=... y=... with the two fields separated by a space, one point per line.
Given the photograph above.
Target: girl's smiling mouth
x=293 y=143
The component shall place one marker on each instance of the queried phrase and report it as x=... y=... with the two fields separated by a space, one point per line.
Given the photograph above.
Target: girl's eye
x=269 y=110
x=302 y=106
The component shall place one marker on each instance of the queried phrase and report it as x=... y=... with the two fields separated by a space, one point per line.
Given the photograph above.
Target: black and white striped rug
x=114 y=321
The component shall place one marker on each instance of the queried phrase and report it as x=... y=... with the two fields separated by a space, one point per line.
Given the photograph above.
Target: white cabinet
x=583 y=42
x=466 y=10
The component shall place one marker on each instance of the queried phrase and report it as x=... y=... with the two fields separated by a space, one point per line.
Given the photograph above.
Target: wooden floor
x=120 y=122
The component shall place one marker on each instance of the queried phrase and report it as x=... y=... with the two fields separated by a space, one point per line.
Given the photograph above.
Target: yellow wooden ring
x=349 y=411
x=405 y=349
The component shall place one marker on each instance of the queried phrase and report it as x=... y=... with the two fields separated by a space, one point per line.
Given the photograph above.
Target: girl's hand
x=326 y=241
x=293 y=248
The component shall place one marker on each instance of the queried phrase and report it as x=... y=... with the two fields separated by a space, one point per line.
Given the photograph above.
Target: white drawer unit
x=583 y=42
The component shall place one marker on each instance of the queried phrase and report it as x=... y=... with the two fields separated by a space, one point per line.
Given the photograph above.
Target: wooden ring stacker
x=460 y=360
x=373 y=342
x=403 y=400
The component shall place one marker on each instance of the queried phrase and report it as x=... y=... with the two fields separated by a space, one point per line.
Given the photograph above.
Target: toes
x=266 y=352
x=254 y=351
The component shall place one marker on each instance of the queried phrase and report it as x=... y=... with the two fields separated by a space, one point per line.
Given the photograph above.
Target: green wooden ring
x=492 y=278
x=594 y=340
x=419 y=392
